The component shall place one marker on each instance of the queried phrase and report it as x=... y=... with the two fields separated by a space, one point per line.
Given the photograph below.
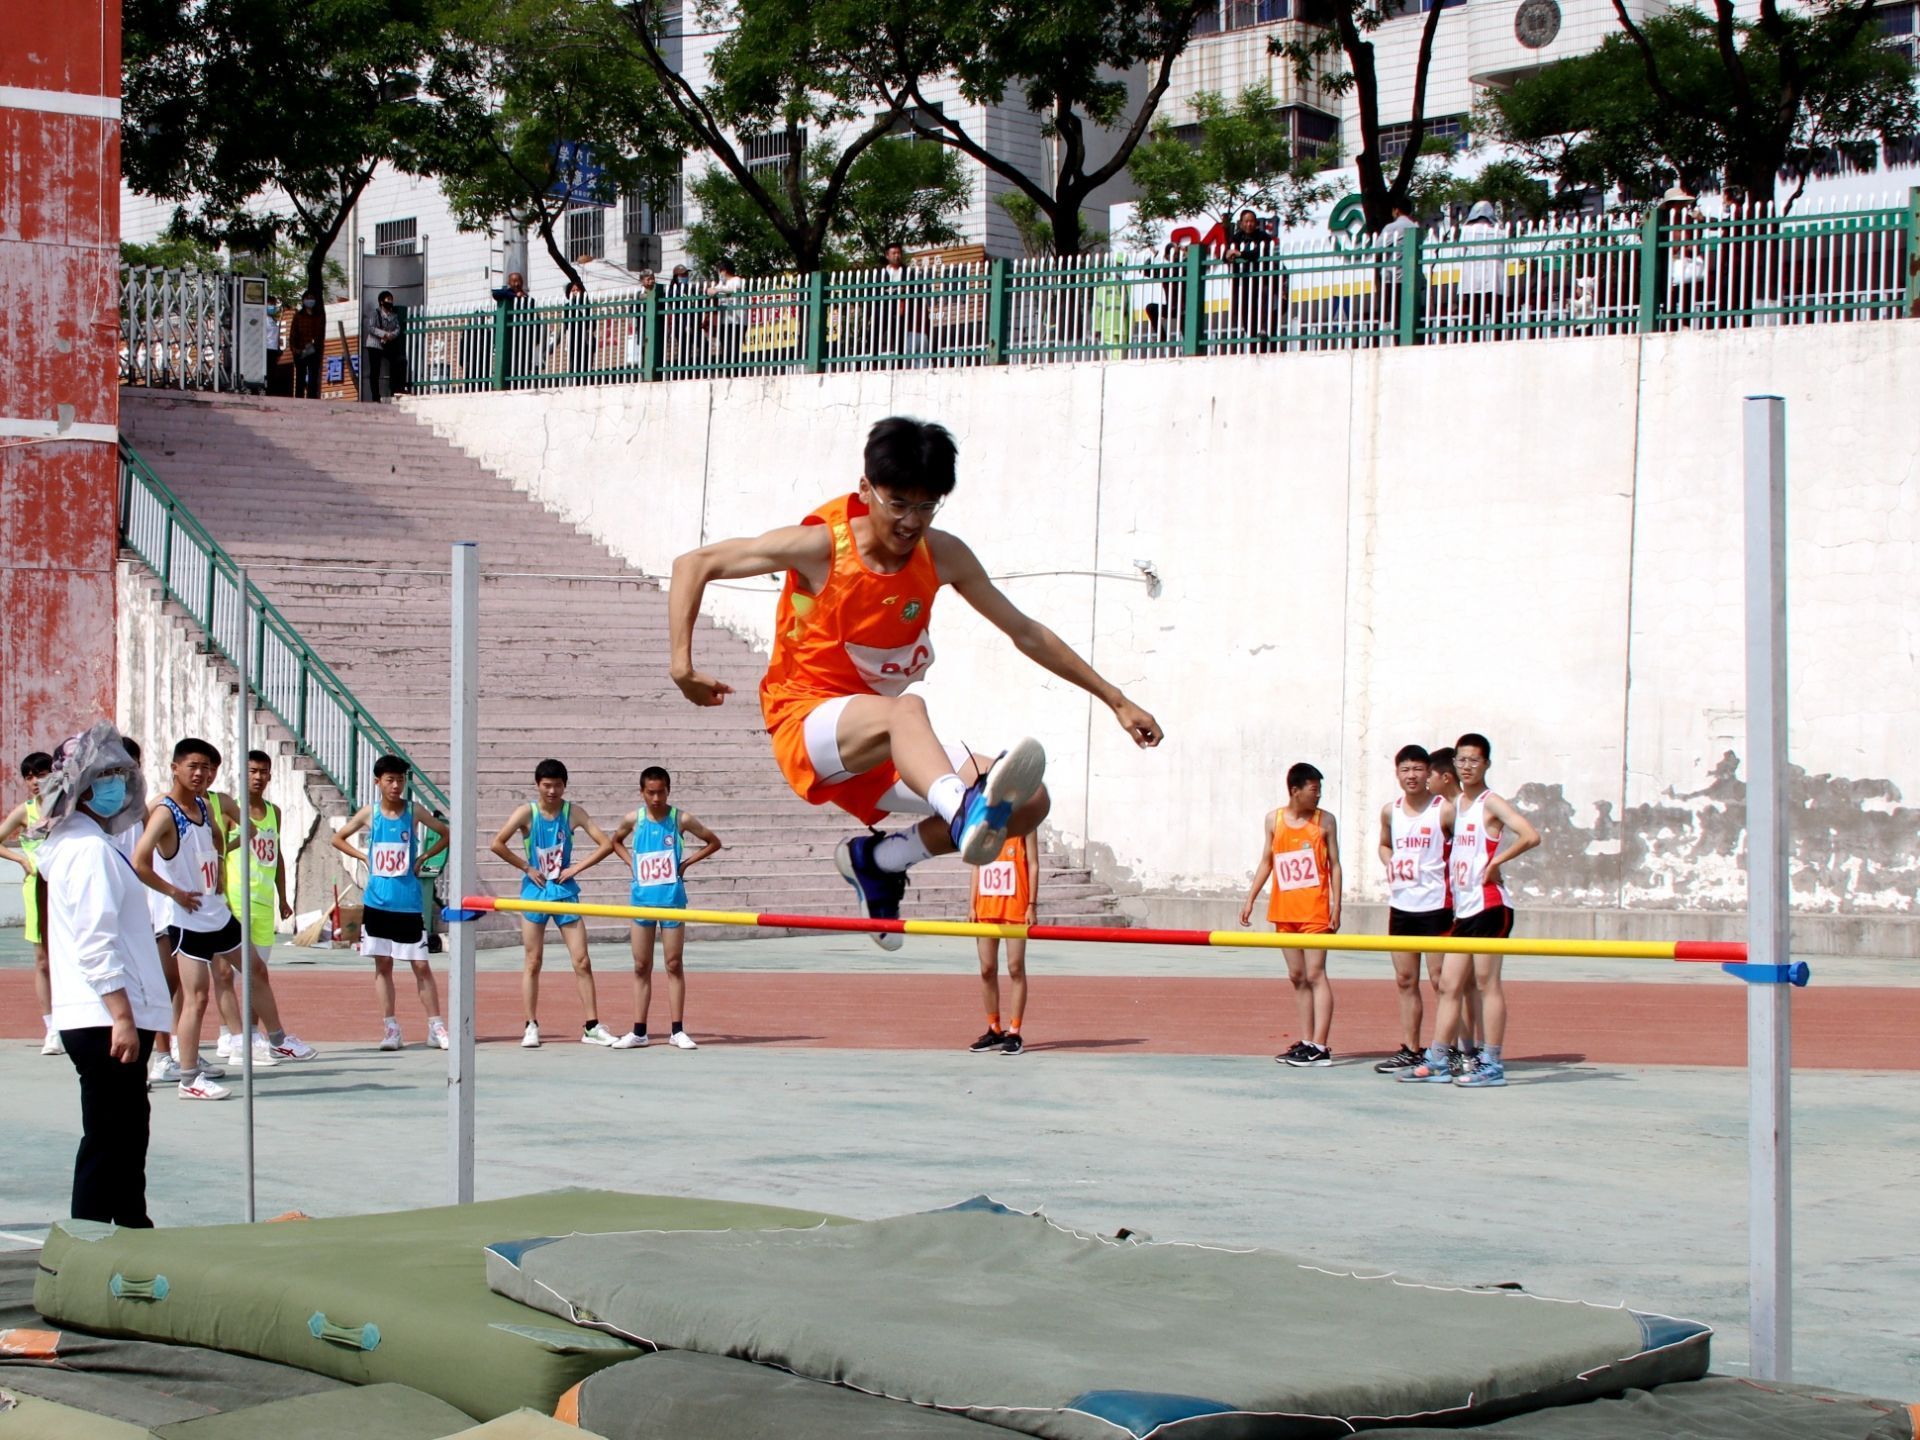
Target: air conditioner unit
x=643 y=252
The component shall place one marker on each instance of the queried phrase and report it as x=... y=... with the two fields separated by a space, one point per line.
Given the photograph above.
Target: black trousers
x=306 y=378
x=110 y=1172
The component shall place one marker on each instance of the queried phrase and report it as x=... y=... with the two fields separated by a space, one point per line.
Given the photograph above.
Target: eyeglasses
x=900 y=509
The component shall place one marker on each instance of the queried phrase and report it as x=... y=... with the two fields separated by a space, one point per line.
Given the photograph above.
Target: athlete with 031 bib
x=851 y=635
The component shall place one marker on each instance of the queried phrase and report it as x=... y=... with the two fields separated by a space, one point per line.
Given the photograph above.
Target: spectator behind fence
x=308 y=338
x=903 y=325
x=727 y=325
x=579 y=332
x=1254 y=288
x=109 y=992
x=636 y=345
x=1483 y=273
x=1390 y=239
x=1681 y=280
x=522 y=344
x=384 y=350
x=275 y=384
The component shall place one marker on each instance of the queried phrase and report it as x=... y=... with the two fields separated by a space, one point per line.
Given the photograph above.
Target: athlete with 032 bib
x=851 y=635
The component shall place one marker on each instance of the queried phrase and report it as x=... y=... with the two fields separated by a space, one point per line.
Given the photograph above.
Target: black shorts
x=401 y=927
x=1493 y=923
x=203 y=945
x=1427 y=923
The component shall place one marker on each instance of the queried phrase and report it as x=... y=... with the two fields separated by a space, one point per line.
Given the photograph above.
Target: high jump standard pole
x=462 y=778
x=244 y=731
x=1769 y=1007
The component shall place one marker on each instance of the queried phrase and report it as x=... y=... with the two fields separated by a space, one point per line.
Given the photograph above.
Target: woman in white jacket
x=109 y=993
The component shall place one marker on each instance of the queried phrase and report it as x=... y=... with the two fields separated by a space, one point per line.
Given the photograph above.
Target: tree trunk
x=553 y=249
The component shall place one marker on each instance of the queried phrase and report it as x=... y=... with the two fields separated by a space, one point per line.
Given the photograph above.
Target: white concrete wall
x=169 y=689
x=1539 y=541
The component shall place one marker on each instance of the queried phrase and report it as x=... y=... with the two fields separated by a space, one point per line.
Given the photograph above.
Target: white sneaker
x=225 y=1047
x=293 y=1048
x=530 y=1037
x=202 y=1088
x=212 y=1072
x=263 y=1056
x=164 y=1070
x=680 y=1040
x=598 y=1035
x=630 y=1041
x=437 y=1035
x=51 y=1045
x=390 y=1040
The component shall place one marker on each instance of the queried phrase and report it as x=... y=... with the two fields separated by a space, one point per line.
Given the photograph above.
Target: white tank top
x=195 y=868
x=1417 y=873
x=1473 y=847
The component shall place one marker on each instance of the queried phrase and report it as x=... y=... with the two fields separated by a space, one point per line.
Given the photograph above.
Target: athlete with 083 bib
x=851 y=635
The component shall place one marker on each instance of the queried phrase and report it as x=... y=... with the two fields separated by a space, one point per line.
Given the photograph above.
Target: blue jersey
x=549 y=851
x=392 y=852
x=656 y=861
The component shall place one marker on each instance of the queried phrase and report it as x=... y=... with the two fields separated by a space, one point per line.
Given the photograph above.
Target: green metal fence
x=326 y=722
x=1611 y=275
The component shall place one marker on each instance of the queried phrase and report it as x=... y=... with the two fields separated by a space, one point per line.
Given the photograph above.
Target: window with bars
x=586 y=227
x=396 y=237
x=656 y=210
x=1224 y=15
x=770 y=152
x=1450 y=128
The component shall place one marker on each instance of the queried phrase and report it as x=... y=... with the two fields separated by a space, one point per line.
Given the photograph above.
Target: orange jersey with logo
x=1001 y=894
x=864 y=633
x=1302 y=873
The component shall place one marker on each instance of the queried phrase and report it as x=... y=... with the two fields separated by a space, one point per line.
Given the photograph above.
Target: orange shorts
x=1302 y=927
x=858 y=795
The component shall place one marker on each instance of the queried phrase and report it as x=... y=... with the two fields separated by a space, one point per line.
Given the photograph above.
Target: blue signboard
x=576 y=177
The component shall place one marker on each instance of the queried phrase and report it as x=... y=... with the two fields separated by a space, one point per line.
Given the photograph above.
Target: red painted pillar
x=59 y=346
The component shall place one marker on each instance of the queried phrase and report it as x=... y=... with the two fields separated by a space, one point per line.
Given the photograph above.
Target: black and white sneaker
x=1311 y=1057
x=1294 y=1054
x=1013 y=1044
x=1402 y=1059
x=992 y=1040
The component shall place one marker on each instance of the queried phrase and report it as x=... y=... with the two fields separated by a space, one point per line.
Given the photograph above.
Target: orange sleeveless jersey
x=1001 y=895
x=1302 y=874
x=865 y=633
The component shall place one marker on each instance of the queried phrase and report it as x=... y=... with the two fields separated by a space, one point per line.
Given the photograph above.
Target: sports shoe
x=224 y=1047
x=390 y=1037
x=212 y=1072
x=979 y=828
x=1293 y=1053
x=680 y=1040
x=1462 y=1062
x=263 y=1056
x=530 y=1037
x=1014 y=1044
x=1401 y=1059
x=437 y=1037
x=992 y=1040
x=1311 y=1057
x=201 y=1088
x=1484 y=1076
x=595 y=1034
x=164 y=1069
x=292 y=1047
x=631 y=1041
x=880 y=891
x=1427 y=1072
x=52 y=1045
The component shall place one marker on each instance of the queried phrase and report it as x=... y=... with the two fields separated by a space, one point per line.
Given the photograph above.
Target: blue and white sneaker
x=1483 y=1076
x=880 y=891
x=979 y=829
x=1427 y=1072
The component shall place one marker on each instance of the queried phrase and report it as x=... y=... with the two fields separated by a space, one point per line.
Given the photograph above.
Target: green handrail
x=178 y=524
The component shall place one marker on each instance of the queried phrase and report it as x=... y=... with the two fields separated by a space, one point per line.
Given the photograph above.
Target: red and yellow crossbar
x=1705 y=951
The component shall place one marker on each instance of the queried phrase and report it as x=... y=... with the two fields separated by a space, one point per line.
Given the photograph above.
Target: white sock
x=47 y=1020
x=947 y=795
x=435 y=1020
x=902 y=849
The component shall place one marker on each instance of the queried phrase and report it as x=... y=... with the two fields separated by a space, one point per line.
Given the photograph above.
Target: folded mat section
x=400 y=1297
x=1011 y=1319
x=682 y=1395
x=28 y=1417
x=370 y=1412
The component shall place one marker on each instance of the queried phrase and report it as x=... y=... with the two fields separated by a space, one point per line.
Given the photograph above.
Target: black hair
x=259 y=757
x=914 y=456
x=133 y=749
x=1412 y=752
x=549 y=770
x=1478 y=741
x=391 y=765
x=1301 y=773
x=1442 y=760
x=385 y=295
x=192 y=745
x=656 y=772
x=37 y=763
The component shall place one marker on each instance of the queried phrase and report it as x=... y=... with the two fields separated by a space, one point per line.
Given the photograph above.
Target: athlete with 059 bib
x=851 y=635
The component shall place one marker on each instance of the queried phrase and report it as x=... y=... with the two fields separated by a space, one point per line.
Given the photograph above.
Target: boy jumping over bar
x=851 y=635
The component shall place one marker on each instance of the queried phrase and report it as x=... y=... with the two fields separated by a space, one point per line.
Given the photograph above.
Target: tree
x=897 y=192
x=1710 y=97
x=1245 y=160
x=1069 y=63
x=284 y=267
x=267 y=118
x=556 y=87
x=1351 y=22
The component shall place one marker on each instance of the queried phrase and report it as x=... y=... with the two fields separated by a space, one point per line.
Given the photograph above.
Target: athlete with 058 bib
x=851 y=635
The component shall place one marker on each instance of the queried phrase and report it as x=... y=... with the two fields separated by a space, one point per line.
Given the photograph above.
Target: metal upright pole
x=245 y=732
x=1769 y=1006
x=463 y=779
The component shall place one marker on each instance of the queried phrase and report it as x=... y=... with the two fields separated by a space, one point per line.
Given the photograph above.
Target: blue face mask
x=108 y=796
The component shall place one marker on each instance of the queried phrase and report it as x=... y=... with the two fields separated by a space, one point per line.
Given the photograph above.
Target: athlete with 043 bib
x=851 y=635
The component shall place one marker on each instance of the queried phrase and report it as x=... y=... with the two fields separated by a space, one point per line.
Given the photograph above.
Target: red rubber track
x=1839 y=1027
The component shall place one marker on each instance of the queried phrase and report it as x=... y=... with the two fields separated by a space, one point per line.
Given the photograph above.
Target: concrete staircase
x=343 y=515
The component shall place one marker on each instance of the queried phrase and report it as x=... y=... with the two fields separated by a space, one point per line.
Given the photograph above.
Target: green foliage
x=1245 y=160
x=1666 y=101
x=897 y=192
x=284 y=266
x=1035 y=230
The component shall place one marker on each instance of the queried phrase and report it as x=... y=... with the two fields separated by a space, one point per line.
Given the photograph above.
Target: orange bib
x=1302 y=873
x=1000 y=891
